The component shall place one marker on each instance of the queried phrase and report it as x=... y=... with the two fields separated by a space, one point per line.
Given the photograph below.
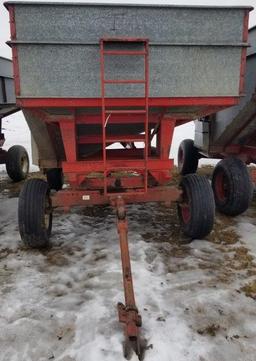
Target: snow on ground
x=60 y=304
x=16 y=132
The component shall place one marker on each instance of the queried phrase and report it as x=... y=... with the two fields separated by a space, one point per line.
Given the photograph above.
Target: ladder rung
x=126 y=111
x=125 y=81
x=124 y=40
x=96 y=139
x=124 y=52
x=126 y=138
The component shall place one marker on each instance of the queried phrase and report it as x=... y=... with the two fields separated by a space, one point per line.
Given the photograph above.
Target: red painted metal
x=185 y=212
x=68 y=132
x=116 y=164
x=116 y=102
x=103 y=114
x=107 y=112
x=128 y=312
x=116 y=118
x=253 y=176
x=113 y=181
x=244 y=52
x=84 y=197
x=220 y=186
x=16 y=72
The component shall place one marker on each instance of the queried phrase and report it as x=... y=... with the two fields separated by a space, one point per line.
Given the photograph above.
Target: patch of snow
x=61 y=303
x=16 y=132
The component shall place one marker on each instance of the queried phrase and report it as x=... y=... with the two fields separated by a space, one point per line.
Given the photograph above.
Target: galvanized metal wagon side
x=228 y=135
x=16 y=158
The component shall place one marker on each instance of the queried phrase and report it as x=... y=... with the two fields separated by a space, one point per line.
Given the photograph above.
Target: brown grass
x=250 y=289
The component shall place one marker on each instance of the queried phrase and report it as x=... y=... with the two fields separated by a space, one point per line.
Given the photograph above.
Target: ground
x=197 y=299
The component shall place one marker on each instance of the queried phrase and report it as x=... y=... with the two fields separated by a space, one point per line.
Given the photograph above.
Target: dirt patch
x=5 y=252
x=243 y=259
x=206 y=170
x=210 y=330
x=223 y=231
x=57 y=258
x=250 y=289
x=12 y=189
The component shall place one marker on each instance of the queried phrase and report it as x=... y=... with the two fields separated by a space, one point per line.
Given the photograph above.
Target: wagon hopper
x=16 y=158
x=229 y=134
x=96 y=83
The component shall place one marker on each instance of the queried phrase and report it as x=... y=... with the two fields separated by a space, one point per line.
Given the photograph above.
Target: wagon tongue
x=132 y=321
x=128 y=313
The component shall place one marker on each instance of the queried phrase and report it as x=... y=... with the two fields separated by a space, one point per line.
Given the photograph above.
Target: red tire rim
x=221 y=186
x=186 y=214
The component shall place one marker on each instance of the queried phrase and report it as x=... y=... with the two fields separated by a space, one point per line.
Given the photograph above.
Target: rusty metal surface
x=58 y=46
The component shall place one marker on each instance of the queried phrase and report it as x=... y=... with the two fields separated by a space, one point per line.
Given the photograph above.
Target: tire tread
x=240 y=186
x=202 y=206
x=31 y=212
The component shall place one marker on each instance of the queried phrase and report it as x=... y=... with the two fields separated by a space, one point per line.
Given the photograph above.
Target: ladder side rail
x=104 y=155
x=147 y=113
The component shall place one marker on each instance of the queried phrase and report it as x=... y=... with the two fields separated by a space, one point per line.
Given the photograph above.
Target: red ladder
x=107 y=112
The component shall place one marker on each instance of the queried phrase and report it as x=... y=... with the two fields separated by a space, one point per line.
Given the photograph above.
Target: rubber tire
x=31 y=213
x=55 y=178
x=239 y=187
x=14 y=163
x=198 y=194
x=187 y=157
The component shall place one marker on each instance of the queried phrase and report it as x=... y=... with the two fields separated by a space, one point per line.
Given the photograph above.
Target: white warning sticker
x=86 y=197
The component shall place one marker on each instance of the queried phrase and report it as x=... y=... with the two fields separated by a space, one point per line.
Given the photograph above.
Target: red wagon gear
x=75 y=122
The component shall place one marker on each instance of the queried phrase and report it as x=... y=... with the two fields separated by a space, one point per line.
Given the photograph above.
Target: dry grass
x=210 y=330
x=250 y=289
x=224 y=232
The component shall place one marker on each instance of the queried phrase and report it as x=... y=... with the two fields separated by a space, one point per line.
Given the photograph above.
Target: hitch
x=128 y=312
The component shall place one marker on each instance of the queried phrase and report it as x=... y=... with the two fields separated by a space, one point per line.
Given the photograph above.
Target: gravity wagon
x=102 y=87
x=16 y=158
x=230 y=135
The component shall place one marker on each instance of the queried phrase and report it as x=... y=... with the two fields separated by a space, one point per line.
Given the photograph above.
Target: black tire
x=17 y=163
x=35 y=213
x=187 y=157
x=197 y=210
x=232 y=186
x=55 y=178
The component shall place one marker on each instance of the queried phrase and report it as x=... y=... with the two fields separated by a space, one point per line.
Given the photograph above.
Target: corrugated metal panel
x=194 y=51
x=6 y=67
x=227 y=116
x=7 y=95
